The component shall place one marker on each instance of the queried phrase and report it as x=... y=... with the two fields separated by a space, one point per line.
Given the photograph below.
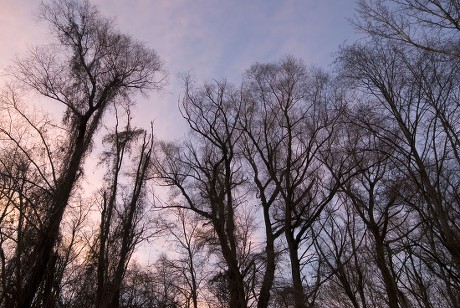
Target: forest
x=298 y=187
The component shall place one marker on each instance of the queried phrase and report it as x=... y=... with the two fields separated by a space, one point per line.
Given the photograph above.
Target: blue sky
x=209 y=39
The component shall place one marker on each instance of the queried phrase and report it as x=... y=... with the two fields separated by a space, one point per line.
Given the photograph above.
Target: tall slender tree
x=206 y=173
x=91 y=67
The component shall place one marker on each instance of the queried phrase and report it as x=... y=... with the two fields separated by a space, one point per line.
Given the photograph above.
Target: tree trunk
x=269 y=275
x=299 y=294
x=48 y=238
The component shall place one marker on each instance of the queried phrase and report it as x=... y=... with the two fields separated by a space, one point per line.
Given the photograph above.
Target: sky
x=209 y=39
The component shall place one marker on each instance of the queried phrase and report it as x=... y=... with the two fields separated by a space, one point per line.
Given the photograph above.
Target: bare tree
x=205 y=173
x=339 y=238
x=416 y=89
x=151 y=286
x=375 y=195
x=431 y=25
x=92 y=67
x=122 y=226
x=186 y=232
x=289 y=122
